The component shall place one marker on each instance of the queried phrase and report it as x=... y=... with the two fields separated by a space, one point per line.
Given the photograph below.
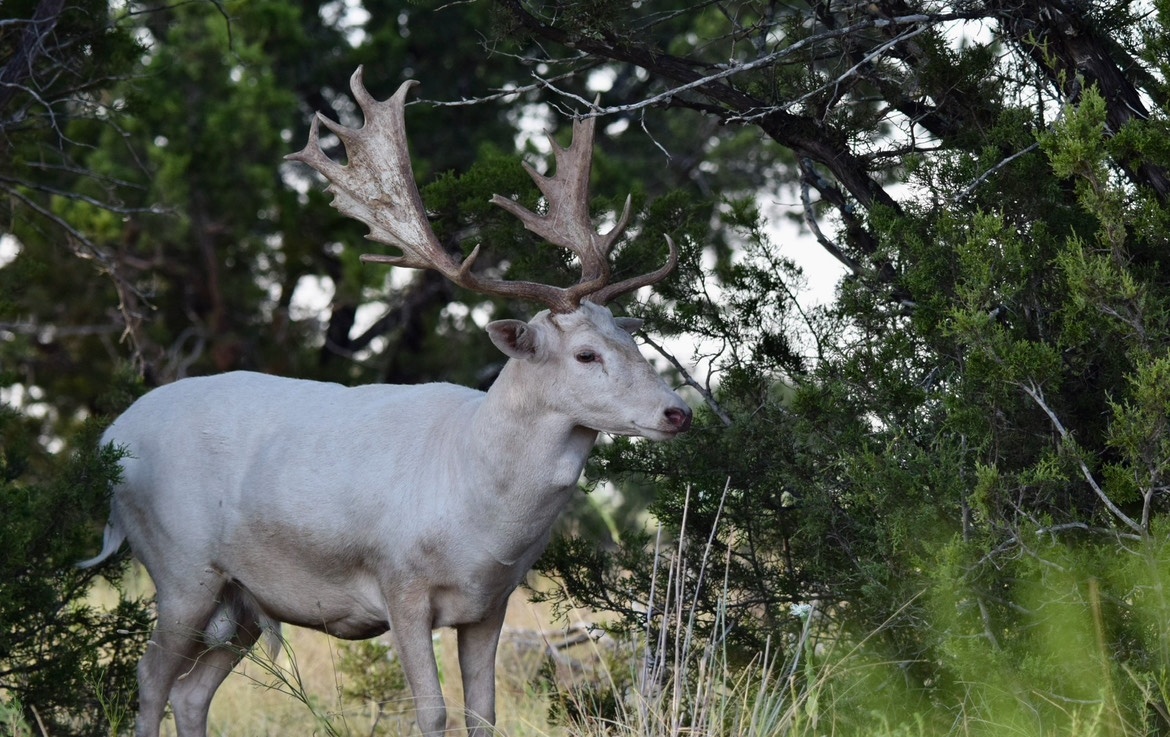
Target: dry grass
x=304 y=691
x=603 y=690
x=253 y=702
x=245 y=707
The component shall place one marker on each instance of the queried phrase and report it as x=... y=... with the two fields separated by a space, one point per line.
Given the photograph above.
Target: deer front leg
x=410 y=623
x=477 y=662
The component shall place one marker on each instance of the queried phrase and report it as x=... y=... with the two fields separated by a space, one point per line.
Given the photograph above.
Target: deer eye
x=586 y=356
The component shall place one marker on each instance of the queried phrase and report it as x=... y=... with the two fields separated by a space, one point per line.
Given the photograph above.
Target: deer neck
x=527 y=460
x=537 y=449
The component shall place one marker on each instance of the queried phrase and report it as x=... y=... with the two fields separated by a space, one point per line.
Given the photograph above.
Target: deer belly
x=353 y=611
x=345 y=603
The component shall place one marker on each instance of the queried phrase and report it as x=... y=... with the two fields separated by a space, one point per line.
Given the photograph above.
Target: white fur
x=253 y=500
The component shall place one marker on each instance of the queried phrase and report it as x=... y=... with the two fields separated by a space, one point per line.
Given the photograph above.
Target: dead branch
x=690 y=381
x=1037 y=395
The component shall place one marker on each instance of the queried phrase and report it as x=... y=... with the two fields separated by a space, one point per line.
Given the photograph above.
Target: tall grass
x=678 y=677
x=1067 y=677
x=670 y=681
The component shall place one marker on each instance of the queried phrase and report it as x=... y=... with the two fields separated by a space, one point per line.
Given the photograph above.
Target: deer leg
x=477 y=662
x=174 y=648
x=193 y=690
x=410 y=623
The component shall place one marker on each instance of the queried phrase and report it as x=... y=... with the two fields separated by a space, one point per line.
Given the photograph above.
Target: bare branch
x=65 y=194
x=1037 y=395
x=37 y=329
x=984 y=176
x=735 y=68
x=1053 y=529
x=128 y=294
x=504 y=94
x=31 y=47
x=905 y=36
x=810 y=219
x=690 y=381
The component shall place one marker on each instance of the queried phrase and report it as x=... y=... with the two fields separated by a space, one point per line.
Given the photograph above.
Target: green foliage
x=1089 y=648
x=61 y=655
x=975 y=477
x=373 y=675
x=12 y=720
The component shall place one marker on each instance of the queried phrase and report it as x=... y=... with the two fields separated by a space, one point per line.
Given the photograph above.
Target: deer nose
x=679 y=418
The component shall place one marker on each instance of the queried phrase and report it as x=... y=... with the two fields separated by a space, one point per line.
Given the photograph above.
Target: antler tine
x=312 y=155
x=377 y=188
x=607 y=294
x=567 y=223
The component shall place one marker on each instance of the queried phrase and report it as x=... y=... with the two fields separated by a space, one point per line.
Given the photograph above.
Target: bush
x=67 y=664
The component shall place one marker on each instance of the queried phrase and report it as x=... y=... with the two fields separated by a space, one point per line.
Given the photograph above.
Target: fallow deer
x=253 y=500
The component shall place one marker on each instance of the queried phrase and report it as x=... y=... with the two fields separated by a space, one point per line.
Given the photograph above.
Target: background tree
x=67 y=661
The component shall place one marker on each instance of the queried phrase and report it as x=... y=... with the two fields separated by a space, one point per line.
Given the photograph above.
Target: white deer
x=254 y=500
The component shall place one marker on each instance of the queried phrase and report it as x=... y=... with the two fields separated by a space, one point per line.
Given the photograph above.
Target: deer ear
x=629 y=324
x=516 y=338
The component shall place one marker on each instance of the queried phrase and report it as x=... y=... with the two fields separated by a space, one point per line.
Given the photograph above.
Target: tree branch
x=810 y=219
x=690 y=381
x=983 y=177
x=129 y=296
x=1037 y=395
x=32 y=46
x=1075 y=55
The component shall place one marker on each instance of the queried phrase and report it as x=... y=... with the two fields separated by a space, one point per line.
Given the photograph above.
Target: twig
x=983 y=177
x=502 y=94
x=32 y=328
x=91 y=250
x=904 y=36
x=1037 y=395
x=730 y=70
x=653 y=139
x=85 y=248
x=65 y=194
x=40 y=722
x=1053 y=529
x=691 y=382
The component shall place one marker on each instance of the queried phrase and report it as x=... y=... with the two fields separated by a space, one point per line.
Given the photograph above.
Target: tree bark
x=1063 y=43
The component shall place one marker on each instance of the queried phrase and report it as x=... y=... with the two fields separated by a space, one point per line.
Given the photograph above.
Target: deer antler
x=377 y=188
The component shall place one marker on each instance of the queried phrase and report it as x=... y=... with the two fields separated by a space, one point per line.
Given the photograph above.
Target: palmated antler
x=377 y=188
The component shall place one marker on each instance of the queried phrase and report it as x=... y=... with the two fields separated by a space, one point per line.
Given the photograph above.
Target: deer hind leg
x=231 y=632
x=174 y=649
